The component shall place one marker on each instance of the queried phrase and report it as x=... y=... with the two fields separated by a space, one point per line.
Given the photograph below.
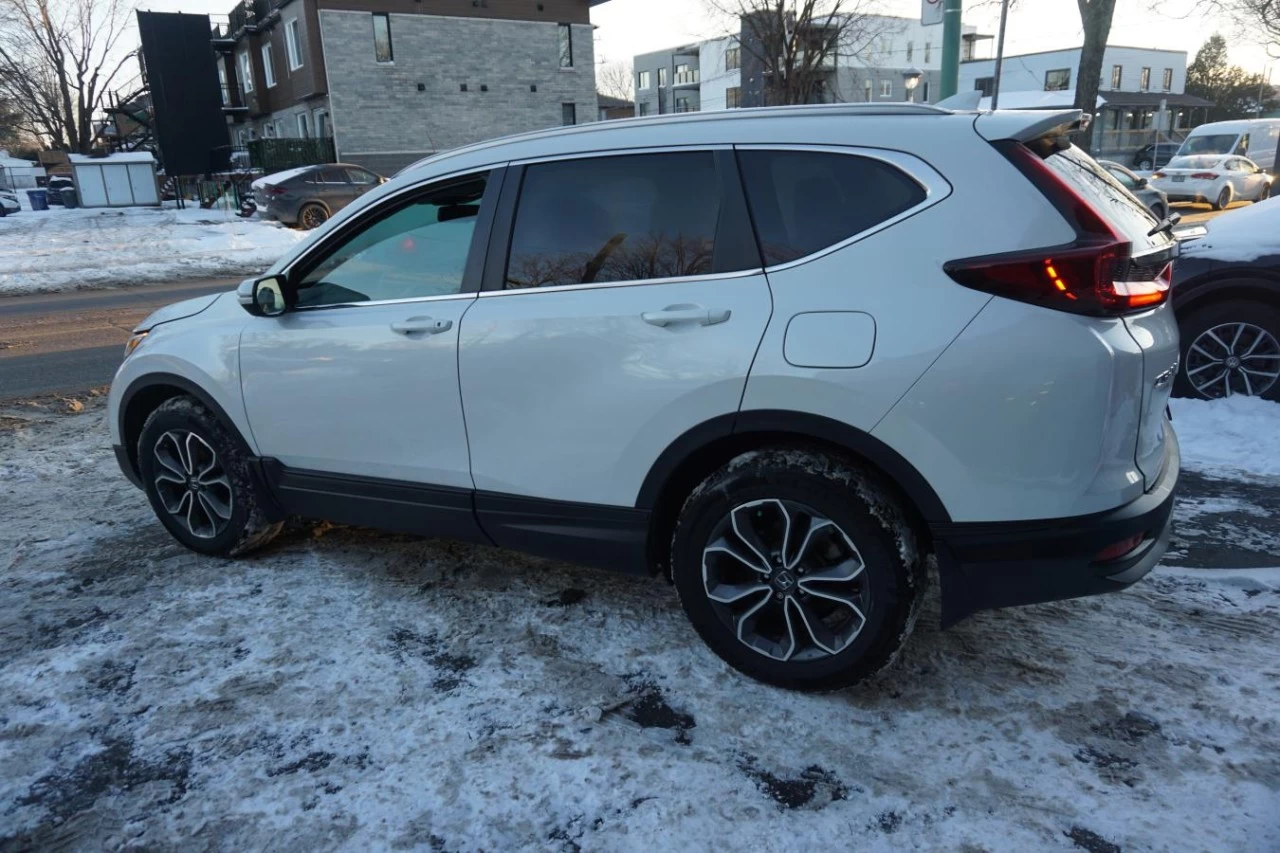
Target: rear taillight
x=1158 y=175
x=276 y=190
x=1204 y=176
x=1093 y=275
x=1119 y=549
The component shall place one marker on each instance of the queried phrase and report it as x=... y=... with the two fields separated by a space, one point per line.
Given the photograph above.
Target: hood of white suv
x=178 y=311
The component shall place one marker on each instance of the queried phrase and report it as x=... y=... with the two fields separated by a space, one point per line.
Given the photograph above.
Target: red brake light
x=1158 y=175
x=274 y=190
x=1092 y=275
x=1204 y=176
x=1119 y=549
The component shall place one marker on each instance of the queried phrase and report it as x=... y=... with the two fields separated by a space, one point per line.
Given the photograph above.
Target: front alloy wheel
x=191 y=483
x=786 y=580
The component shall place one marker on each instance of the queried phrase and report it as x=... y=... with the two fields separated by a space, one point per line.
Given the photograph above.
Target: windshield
x=1108 y=197
x=1218 y=143
x=1194 y=162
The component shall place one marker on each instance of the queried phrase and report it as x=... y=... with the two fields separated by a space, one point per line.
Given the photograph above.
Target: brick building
x=392 y=81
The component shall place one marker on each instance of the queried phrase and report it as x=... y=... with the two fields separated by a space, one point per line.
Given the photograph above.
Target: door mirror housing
x=264 y=297
x=1140 y=183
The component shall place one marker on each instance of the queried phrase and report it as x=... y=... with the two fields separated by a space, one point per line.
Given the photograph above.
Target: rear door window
x=623 y=218
x=805 y=201
x=1105 y=195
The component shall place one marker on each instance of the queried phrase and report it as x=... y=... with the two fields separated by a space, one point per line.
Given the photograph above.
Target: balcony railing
x=248 y=13
x=686 y=78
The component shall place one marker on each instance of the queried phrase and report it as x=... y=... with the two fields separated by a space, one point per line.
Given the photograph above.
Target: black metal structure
x=183 y=78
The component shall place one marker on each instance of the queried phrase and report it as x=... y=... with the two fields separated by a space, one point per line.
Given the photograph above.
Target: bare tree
x=796 y=44
x=616 y=80
x=58 y=59
x=1095 y=16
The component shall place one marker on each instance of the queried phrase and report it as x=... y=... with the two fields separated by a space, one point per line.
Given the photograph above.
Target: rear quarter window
x=1108 y=197
x=805 y=201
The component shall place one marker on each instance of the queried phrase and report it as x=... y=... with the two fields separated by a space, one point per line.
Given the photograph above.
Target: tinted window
x=1216 y=144
x=418 y=250
x=360 y=176
x=615 y=219
x=803 y=201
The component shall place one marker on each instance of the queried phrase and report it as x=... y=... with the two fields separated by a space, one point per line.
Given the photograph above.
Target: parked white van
x=1257 y=138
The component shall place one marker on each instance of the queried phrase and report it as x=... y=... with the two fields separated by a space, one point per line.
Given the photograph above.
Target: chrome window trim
x=557 y=288
x=373 y=303
x=935 y=186
x=329 y=240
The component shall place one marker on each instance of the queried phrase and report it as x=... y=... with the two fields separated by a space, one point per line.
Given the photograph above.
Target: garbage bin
x=39 y=199
x=68 y=195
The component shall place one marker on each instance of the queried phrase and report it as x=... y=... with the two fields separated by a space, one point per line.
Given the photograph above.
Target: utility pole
x=950 y=47
x=995 y=84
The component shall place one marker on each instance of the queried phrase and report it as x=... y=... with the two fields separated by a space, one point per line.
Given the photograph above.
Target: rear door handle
x=421 y=325
x=674 y=314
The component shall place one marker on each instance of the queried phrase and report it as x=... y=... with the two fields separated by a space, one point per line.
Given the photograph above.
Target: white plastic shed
x=117 y=180
x=18 y=174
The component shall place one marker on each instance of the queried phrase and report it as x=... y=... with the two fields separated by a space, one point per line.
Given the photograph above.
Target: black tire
x=1257 y=314
x=312 y=216
x=1264 y=193
x=247 y=525
x=842 y=493
x=1223 y=201
x=1144 y=166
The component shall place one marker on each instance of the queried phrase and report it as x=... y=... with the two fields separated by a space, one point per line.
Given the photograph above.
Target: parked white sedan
x=1217 y=179
x=8 y=202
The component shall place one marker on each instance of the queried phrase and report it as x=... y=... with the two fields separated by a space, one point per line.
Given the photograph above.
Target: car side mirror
x=264 y=297
x=1142 y=182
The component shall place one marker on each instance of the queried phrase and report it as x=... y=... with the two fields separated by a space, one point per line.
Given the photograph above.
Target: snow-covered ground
x=349 y=689
x=63 y=249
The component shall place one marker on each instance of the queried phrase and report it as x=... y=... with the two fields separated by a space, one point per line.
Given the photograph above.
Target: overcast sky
x=628 y=27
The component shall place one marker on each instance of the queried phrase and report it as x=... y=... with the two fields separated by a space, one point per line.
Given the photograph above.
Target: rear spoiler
x=1043 y=131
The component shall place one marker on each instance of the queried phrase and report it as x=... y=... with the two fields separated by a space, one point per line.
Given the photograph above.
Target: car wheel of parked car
x=312 y=216
x=1264 y=193
x=797 y=569
x=199 y=481
x=1144 y=165
x=1231 y=348
x=1224 y=199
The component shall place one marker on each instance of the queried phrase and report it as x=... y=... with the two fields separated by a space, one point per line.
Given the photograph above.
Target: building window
x=684 y=106
x=732 y=58
x=866 y=90
x=1057 y=80
x=242 y=137
x=662 y=77
x=268 y=131
x=382 y=51
x=568 y=114
x=928 y=51
x=642 y=106
x=292 y=46
x=1117 y=74
x=246 y=73
x=985 y=85
x=733 y=97
x=924 y=91
x=644 y=80
x=322 y=124
x=887 y=46
x=566 y=45
x=886 y=88
x=279 y=128
x=268 y=67
x=911 y=50
x=1166 y=80
x=1144 y=80
x=304 y=126
x=222 y=81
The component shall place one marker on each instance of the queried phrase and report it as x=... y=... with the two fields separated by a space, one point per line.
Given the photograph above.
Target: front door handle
x=674 y=314
x=421 y=325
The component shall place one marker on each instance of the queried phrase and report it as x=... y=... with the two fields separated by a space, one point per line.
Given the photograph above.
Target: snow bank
x=77 y=249
x=1231 y=435
x=277 y=177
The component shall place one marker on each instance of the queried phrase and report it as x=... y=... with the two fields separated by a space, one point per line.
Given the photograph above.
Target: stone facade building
x=392 y=81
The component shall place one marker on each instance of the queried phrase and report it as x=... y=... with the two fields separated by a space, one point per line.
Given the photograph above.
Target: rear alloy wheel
x=789 y=575
x=1264 y=193
x=312 y=216
x=1144 y=166
x=1232 y=348
x=1224 y=199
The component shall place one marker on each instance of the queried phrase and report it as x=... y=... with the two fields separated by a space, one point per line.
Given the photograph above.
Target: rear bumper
x=991 y=565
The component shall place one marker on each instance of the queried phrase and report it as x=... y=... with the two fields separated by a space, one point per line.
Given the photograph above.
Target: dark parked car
x=1153 y=199
x=1227 y=300
x=1155 y=155
x=308 y=196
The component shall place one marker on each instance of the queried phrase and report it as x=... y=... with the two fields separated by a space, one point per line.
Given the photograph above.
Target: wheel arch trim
x=800 y=426
x=1224 y=284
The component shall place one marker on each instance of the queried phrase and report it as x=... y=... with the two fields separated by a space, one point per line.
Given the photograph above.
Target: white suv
x=780 y=355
